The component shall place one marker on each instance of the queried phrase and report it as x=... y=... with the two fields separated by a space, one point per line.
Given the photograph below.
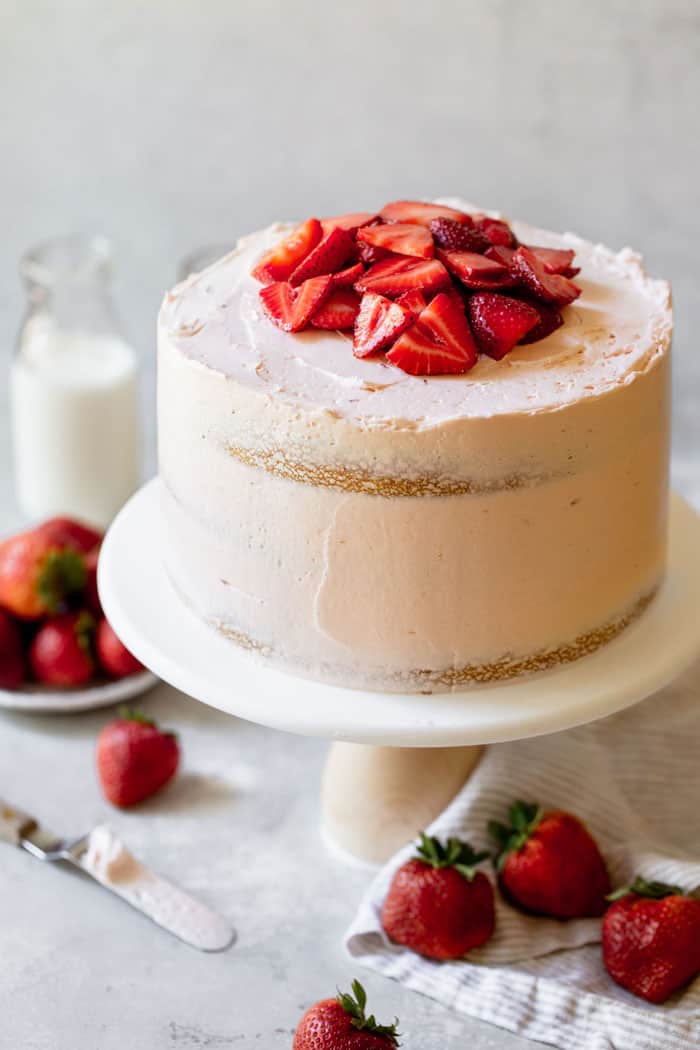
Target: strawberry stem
x=131 y=714
x=62 y=573
x=524 y=818
x=655 y=890
x=453 y=854
x=355 y=1004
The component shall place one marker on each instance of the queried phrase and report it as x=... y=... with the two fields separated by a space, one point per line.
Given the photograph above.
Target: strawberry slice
x=350 y=222
x=347 y=277
x=439 y=343
x=329 y=256
x=420 y=212
x=501 y=254
x=476 y=271
x=399 y=273
x=550 y=287
x=292 y=308
x=496 y=231
x=550 y=320
x=499 y=322
x=414 y=301
x=369 y=254
x=404 y=238
x=459 y=236
x=556 y=260
x=339 y=310
x=379 y=322
x=279 y=262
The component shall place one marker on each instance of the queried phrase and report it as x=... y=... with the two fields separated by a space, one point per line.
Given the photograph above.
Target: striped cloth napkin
x=635 y=780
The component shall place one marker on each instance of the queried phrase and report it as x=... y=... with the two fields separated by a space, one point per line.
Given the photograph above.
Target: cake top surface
x=614 y=331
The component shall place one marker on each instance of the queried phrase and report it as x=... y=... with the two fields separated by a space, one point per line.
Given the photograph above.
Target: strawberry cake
x=416 y=449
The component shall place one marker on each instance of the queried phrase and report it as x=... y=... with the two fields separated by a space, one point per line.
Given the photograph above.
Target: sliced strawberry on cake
x=290 y=308
x=347 y=277
x=330 y=255
x=278 y=263
x=399 y=273
x=379 y=323
x=499 y=322
x=549 y=287
x=462 y=236
x=549 y=320
x=350 y=222
x=556 y=260
x=338 y=311
x=420 y=212
x=404 y=238
x=497 y=231
x=414 y=301
x=476 y=271
x=439 y=343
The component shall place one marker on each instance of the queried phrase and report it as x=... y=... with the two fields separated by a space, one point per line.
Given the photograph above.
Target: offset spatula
x=104 y=858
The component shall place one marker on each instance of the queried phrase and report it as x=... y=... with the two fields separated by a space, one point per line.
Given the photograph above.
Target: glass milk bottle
x=74 y=395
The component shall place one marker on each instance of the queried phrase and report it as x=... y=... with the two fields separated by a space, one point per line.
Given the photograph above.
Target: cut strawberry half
x=439 y=343
x=550 y=287
x=292 y=308
x=379 y=323
x=476 y=271
x=347 y=277
x=369 y=254
x=339 y=310
x=550 y=320
x=350 y=222
x=420 y=212
x=459 y=236
x=284 y=257
x=404 y=238
x=500 y=253
x=329 y=256
x=399 y=273
x=414 y=301
x=496 y=231
x=499 y=322
x=556 y=260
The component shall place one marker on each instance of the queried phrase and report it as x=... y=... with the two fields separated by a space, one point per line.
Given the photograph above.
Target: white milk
x=75 y=423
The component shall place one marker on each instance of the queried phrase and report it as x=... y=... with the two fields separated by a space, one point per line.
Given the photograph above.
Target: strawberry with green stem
x=342 y=1024
x=37 y=575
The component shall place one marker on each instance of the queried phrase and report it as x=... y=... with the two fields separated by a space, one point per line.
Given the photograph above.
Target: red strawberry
x=499 y=322
x=36 y=575
x=67 y=532
x=91 y=595
x=112 y=655
x=551 y=288
x=420 y=212
x=496 y=231
x=476 y=271
x=500 y=253
x=549 y=863
x=398 y=274
x=440 y=342
x=438 y=904
x=351 y=222
x=459 y=236
x=339 y=310
x=134 y=758
x=11 y=655
x=379 y=323
x=347 y=277
x=329 y=256
x=292 y=308
x=369 y=254
x=550 y=320
x=342 y=1024
x=284 y=257
x=651 y=939
x=555 y=260
x=401 y=237
x=414 y=301
x=61 y=651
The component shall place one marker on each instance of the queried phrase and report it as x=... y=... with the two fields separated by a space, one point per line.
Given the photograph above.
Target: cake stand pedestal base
x=397 y=758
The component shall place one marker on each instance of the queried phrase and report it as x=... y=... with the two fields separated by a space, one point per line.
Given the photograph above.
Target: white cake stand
x=397 y=758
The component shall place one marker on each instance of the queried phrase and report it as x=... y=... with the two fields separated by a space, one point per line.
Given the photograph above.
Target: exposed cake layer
x=342 y=514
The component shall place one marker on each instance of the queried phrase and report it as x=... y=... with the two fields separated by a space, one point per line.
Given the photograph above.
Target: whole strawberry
x=113 y=656
x=36 y=575
x=135 y=758
x=91 y=596
x=341 y=1024
x=11 y=654
x=438 y=904
x=68 y=532
x=549 y=863
x=61 y=651
x=651 y=939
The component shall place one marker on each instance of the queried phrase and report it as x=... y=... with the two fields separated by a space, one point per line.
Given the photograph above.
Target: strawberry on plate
x=549 y=287
x=113 y=656
x=90 y=596
x=403 y=238
x=651 y=939
x=549 y=863
x=69 y=532
x=379 y=322
x=342 y=1024
x=278 y=263
x=399 y=273
x=420 y=212
x=499 y=322
x=37 y=575
x=339 y=310
x=12 y=669
x=462 y=236
x=438 y=904
x=476 y=271
x=292 y=308
x=61 y=651
x=135 y=758
x=439 y=343
x=330 y=255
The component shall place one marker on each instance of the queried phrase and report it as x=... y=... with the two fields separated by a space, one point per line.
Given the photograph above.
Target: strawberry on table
x=37 y=575
x=651 y=939
x=439 y=343
x=61 y=651
x=400 y=237
x=549 y=863
x=438 y=904
x=69 y=532
x=342 y=1024
x=12 y=668
x=113 y=656
x=499 y=322
x=330 y=255
x=290 y=308
x=135 y=758
x=420 y=212
x=379 y=322
x=277 y=264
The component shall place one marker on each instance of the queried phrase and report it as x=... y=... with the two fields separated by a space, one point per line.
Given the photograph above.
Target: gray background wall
x=168 y=125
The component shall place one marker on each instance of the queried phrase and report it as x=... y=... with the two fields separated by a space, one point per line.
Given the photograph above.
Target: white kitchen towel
x=635 y=781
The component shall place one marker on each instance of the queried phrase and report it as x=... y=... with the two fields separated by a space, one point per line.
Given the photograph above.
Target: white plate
x=42 y=699
x=180 y=648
